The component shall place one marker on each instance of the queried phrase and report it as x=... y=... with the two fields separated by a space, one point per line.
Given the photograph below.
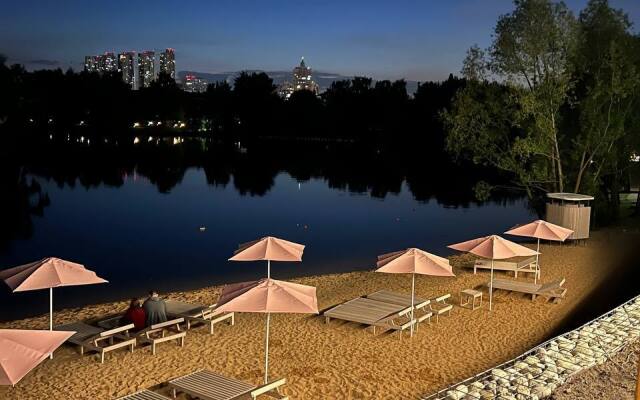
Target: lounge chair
x=553 y=290
x=419 y=304
x=144 y=395
x=198 y=313
x=439 y=306
x=97 y=339
x=162 y=332
x=373 y=313
x=207 y=385
x=516 y=265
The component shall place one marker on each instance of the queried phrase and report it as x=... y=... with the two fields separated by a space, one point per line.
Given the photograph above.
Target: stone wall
x=537 y=373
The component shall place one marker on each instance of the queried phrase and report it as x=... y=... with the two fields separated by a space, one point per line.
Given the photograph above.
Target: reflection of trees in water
x=350 y=167
x=21 y=199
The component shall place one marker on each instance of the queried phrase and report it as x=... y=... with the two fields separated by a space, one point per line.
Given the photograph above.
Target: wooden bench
x=198 y=314
x=440 y=306
x=93 y=338
x=419 y=304
x=515 y=265
x=163 y=332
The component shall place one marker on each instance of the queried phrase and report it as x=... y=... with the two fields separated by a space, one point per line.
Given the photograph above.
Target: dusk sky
x=418 y=40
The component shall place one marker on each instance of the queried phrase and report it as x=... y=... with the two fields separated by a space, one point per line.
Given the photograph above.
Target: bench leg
x=233 y=319
x=102 y=357
x=153 y=348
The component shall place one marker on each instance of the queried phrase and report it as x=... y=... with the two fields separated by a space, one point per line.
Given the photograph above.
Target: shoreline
x=338 y=360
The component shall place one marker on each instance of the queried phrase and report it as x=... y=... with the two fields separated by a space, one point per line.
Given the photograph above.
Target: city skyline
x=412 y=40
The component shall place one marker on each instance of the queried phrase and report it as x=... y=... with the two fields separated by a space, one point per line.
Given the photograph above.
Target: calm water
x=136 y=221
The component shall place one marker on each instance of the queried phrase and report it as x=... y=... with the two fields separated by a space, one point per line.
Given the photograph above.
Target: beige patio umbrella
x=541 y=229
x=268 y=296
x=414 y=261
x=494 y=248
x=22 y=350
x=268 y=248
x=48 y=273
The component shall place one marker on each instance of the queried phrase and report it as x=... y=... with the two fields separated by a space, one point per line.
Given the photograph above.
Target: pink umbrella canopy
x=268 y=296
x=268 y=248
x=414 y=261
x=22 y=350
x=493 y=247
x=48 y=273
x=541 y=229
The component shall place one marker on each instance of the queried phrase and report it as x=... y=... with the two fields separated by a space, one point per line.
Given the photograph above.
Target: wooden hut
x=572 y=211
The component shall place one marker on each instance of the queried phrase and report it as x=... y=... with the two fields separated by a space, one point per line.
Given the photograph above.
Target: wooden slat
x=363 y=310
x=397 y=298
x=144 y=395
x=210 y=386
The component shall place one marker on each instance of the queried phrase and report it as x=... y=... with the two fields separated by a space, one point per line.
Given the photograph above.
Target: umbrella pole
x=535 y=275
x=491 y=287
x=268 y=271
x=51 y=315
x=413 y=295
x=266 y=353
x=50 y=309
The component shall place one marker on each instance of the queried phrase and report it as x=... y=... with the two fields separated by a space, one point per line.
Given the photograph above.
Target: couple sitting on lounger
x=145 y=313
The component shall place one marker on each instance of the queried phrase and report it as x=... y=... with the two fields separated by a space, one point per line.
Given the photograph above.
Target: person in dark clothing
x=155 y=309
x=136 y=315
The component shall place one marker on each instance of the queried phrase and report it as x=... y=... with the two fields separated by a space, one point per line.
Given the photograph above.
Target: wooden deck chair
x=553 y=290
x=439 y=306
x=163 y=332
x=97 y=339
x=207 y=385
x=198 y=314
x=144 y=395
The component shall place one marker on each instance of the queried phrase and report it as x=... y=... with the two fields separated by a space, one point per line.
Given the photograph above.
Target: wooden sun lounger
x=197 y=313
x=162 y=332
x=144 y=395
x=419 y=304
x=93 y=338
x=371 y=312
x=552 y=290
x=516 y=265
x=207 y=385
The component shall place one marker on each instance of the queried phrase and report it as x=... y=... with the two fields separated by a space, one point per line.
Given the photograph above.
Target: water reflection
x=133 y=212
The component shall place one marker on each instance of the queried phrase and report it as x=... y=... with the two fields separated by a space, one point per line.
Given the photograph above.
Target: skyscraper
x=302 y=79
x=168 y=63
x=126 y=68
x=146 y=68
x=193 y=84
x=91 y=64
x=108 y=62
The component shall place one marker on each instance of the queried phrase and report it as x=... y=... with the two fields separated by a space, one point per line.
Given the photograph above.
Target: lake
x=166 y=214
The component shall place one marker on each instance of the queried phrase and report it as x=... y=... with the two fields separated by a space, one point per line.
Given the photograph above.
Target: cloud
x=44 y=63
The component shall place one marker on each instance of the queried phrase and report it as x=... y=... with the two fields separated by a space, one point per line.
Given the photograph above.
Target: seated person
x=136 y=314
x=155 y=309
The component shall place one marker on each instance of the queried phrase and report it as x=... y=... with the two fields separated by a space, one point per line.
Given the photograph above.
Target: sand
x=339 y=360
x=615 y=379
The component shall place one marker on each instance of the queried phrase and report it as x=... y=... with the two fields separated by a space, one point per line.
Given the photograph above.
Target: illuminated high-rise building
x=127 y=68
x=302 y=80
x=108 y=62
x=193 y=84
x=92 y=64
x=146 y=68
x=168 y=63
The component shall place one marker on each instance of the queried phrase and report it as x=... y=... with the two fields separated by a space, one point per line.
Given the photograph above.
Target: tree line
x=553 y=103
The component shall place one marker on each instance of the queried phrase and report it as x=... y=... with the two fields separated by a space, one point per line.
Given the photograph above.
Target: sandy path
x=338 y=361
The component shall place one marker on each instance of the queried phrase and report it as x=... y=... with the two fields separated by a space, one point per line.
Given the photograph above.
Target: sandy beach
x=339 y=360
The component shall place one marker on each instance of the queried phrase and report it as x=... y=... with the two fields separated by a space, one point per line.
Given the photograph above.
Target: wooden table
x=469 y=296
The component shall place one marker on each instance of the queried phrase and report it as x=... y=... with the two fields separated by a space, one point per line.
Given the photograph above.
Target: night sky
x=417 y=40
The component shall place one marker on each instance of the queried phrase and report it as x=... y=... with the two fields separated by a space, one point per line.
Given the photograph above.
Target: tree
x=608 y=83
